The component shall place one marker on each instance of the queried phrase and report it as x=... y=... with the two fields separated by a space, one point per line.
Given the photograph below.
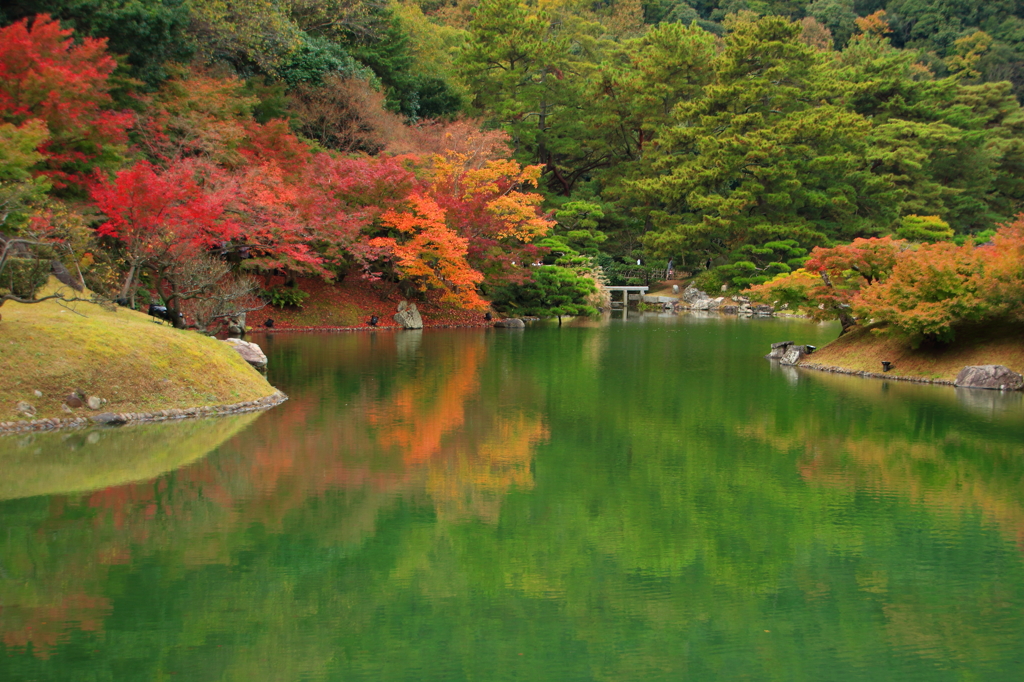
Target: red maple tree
x=46 y=75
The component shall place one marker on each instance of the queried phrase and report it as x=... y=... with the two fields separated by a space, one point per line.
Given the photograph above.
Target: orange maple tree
x=830 y=280
x=427 y=253
x=488 y=203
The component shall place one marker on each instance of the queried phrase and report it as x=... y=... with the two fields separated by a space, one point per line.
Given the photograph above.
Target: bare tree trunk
x=847 y=320
x=128 y=285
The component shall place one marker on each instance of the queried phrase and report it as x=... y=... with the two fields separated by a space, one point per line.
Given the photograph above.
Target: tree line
x=503 y=150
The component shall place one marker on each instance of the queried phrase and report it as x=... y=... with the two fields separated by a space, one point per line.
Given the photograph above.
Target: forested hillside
x=495 y=149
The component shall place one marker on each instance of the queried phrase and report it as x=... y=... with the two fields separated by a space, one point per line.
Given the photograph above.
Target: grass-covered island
x=919 y=310
x=52 y=350
x=864 y=349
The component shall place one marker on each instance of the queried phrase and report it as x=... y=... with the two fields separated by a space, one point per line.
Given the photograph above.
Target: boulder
x=510 y=323
x=94 y=402
x=236 y=325
x=694 y=295
x=110 y=419
x=25 y=409
x=675 y=289
x=793 y=355
x=73 y=400
x=996 y=377
x=707 y=303
x=778 y=350
x=408 y=317
x=250 y=352
x=729 y=309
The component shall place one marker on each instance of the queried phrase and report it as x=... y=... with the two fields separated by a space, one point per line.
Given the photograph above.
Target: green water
x=641 y=500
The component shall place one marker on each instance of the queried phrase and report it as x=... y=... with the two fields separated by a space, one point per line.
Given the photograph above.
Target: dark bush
x=280 y=297
x=24 y=277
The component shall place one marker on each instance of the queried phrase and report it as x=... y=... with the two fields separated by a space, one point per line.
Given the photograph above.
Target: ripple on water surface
x=639 y=500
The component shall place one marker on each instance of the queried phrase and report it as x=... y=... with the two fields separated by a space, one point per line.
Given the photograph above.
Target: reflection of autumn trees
x=416 y=418
x=473 y=477
x=422 y=426
x=41 y=627
x=810 y=533
x=921 y=447
x=897 y=444
x=431 y=424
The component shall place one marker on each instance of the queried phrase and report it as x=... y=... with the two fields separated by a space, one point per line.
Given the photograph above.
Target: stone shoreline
x=120 y=418
x=872 y=375
x=390 y=327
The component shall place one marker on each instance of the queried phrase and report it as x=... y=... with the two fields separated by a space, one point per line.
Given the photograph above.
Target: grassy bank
x=127 y=358
x=864 y=349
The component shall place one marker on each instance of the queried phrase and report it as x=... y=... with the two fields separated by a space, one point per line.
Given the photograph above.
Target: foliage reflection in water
x=626 y=500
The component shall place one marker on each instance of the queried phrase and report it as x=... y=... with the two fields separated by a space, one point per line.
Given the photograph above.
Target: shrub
x=553 y=291
x=799 y=289
x=709 y=281
x=24 y=277
x=924 y=228
x=281 y=297
x=833 y=277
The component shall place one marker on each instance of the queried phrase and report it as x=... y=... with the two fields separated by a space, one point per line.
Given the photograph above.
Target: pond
x=642 y=499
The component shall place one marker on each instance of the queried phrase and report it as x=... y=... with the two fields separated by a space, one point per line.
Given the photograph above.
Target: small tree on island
x=923 y=292
x=553 y=291
x=830 y=280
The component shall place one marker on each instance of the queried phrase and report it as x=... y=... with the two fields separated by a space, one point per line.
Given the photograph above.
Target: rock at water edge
x=250 y=352
x=778 y=350
x=996 y=377
x=510 y=323
x=408 y=317
x=694 y=295
x=793 y=355
x=110 y=419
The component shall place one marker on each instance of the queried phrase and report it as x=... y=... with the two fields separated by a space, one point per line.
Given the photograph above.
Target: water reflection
x=587 y=503
x=992 y=404
x=919 y=443
x=50 y=463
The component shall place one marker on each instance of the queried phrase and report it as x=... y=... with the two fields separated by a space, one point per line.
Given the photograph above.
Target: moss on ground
x=864 y=349
x=136 y=363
